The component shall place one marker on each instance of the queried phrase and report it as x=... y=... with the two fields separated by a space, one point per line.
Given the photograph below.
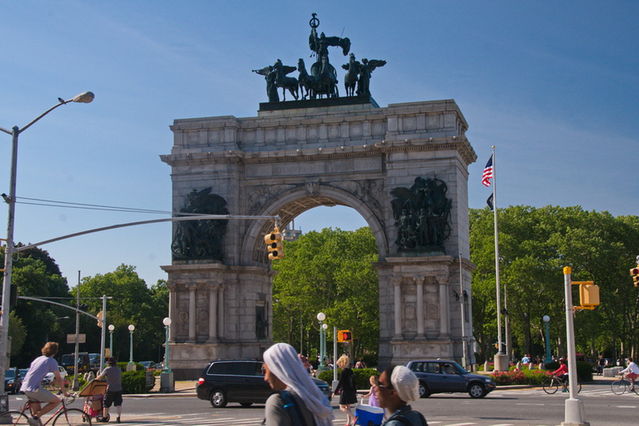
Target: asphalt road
x=503 y=407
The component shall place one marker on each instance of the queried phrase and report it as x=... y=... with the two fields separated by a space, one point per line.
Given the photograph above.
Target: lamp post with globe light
x=131 y=365
x=546 y=319
x=167 y=384
x=111 y=328
x=321 y=317
x=10 y=199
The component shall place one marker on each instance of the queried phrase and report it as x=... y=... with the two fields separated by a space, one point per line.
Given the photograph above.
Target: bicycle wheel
x=72 y=417
x=619 y=387
x=551 y=386
x=17 y=418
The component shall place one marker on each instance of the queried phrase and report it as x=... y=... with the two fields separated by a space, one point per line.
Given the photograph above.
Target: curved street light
x=85 y=97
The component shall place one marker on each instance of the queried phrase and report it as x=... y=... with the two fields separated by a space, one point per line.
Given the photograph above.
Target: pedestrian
x=32 y=381
x=360 y=363
x=395 y=388
x=346 y=388
x=297 y=400
x=113 y=376
x=372 y=398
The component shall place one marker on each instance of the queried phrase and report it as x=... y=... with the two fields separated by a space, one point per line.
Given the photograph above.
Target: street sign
x=82 y=338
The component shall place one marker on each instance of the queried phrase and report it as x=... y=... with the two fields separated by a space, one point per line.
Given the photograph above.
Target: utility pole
x=76 y=384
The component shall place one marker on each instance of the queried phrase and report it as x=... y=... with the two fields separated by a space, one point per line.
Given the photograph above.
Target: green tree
x=332 y=272
x=535 y=243
x=132 y=302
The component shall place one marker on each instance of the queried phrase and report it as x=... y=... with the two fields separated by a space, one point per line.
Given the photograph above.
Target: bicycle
x=552 y=385
x=622 y=386
x=63 y=416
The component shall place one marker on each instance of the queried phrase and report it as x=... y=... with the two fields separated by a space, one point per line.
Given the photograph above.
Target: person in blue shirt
x=31 y=385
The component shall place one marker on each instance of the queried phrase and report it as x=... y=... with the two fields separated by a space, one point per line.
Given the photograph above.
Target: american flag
x=488 y=172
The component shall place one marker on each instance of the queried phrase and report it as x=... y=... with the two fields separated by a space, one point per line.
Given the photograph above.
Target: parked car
x=84 y=362
x=439 y=376
x=12 y=380
x=48 y=378
x=227 y=381
x=148 y=365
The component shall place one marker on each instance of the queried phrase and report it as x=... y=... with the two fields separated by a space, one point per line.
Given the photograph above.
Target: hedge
x=537 y=377
x=361 y=376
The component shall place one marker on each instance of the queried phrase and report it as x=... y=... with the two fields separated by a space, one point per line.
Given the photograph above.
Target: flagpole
x=499 y=358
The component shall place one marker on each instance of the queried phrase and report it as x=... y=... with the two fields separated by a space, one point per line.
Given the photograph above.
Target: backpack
x=292 y=408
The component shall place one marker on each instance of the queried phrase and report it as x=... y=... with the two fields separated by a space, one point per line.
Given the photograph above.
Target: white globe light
x=321 y=316
x=111 y=327
x=131 y=327
x=324 y=326
x=546 y=318
x=166 y=321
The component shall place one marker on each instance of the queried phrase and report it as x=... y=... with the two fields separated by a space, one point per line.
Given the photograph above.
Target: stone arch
x=284 y=162
x=291 y=203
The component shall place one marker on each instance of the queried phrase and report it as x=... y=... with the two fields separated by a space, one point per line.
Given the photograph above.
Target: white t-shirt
x=631 y=368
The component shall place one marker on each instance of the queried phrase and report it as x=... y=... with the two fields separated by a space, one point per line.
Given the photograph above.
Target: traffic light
x=274 y=244
x=635 y=275
x=344 y=336
x=100 y=316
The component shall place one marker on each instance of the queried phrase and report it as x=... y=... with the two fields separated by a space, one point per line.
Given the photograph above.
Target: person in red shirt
x=562 y=373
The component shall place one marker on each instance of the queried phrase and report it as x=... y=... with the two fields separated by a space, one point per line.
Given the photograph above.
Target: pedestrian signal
x=100 y=316
x=274 y=244
x=635 y=276
x=344 y=336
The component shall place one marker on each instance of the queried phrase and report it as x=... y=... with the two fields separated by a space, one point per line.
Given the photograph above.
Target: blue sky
x=554 y=85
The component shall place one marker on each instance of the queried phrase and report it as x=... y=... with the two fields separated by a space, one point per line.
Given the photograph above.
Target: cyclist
x=562 y=373
x=32 y=381
x=631 y=372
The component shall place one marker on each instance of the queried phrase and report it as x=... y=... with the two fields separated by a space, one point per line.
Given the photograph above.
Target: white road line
x=626 y=406
x=529 y=403
x=461 y=424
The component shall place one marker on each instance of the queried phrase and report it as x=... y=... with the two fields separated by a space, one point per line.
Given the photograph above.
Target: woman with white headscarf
x=298 y=401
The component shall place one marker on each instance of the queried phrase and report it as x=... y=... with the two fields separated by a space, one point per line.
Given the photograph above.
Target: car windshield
x=10 y=374
x=23 y=372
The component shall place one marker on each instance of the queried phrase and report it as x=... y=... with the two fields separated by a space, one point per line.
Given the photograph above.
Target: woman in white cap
x=298 y=401
x=395 y=388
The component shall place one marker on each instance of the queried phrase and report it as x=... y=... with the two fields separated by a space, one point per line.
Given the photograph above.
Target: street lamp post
x=15 y=132
x=321 y=317
x=111 y=328
x=131 y=365
x=546 y=319
x=166 y=377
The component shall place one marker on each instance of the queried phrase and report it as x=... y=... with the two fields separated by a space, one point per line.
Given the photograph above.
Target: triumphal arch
x=403 y=167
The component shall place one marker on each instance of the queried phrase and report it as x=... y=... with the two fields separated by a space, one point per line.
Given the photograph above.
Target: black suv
x=222 y=382
x=438 y=376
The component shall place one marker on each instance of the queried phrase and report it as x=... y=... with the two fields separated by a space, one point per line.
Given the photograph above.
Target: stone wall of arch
x=288 y=161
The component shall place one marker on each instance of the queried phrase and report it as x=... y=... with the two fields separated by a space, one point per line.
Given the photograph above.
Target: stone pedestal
x=167 y=382
x=501 y=362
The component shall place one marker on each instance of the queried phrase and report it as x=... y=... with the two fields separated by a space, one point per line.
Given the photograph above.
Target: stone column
x=192 y=287
x=420 y=307
x=443 y=310
x=220 y=311
x=397 y=307
x=213 y=312
x=172 y=310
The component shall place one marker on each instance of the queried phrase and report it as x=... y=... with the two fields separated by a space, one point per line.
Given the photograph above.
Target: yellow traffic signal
x=344 y=336
x=274 y=244
x=635 y=275
x=588 y=294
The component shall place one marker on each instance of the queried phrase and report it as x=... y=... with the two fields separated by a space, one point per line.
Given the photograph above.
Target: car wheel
x=246 y=404
x=476 y=390
x=218 y=399
x=423 y=391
